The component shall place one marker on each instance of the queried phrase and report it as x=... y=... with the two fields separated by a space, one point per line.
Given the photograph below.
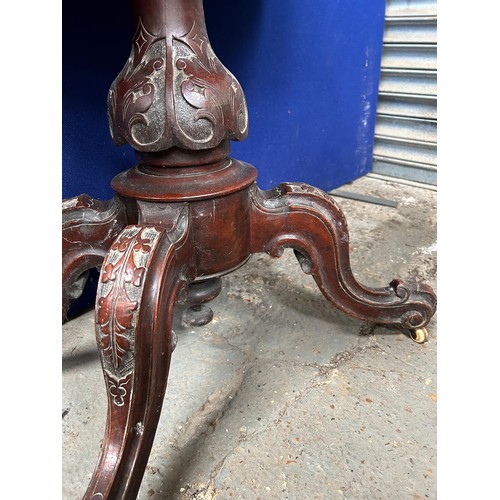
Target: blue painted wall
x=309 y=69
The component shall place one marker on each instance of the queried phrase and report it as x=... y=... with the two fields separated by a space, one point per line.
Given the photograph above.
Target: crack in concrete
x=341 y=359
x=210 y=412
x=323 y=370
x=214 y=410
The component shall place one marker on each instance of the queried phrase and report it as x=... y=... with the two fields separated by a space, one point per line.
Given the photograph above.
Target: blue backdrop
x=309 y=70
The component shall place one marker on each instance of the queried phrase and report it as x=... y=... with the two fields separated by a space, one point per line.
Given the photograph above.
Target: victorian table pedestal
x=186 y=215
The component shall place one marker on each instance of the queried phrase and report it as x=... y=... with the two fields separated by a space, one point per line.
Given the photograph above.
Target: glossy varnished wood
x=88 y=229
x=308 y=220
x=184 y=216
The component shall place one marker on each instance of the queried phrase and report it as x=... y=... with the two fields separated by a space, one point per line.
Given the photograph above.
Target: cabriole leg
x=142 y=275
x=89 y=227
x=309 y=221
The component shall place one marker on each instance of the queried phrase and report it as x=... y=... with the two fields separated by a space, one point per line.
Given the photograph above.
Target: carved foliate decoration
x=209 y=102
x=174 y=91
x=136 y=106
x=118 y=301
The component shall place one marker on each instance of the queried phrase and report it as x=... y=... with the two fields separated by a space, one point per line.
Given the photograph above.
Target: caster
x=419 y=335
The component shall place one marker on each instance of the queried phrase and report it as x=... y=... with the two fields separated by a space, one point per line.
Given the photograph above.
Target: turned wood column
x=173 y=96
x=178 y=107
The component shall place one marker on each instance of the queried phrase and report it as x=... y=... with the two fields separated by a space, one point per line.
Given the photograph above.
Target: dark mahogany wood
x=309 y=221
x=145 y=270
x=198 y=313
x=173 y=91
x=88 y=228
x=184 y=216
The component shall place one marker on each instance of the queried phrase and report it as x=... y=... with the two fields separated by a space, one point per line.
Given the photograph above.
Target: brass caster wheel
x=419 y=335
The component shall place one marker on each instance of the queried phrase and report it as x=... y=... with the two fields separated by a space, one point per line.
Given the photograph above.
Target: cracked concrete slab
x=282 y=395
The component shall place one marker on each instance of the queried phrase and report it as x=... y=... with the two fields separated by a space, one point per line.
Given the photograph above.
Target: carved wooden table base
x=183 y=217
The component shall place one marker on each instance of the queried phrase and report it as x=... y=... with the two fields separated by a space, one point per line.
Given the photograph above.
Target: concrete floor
x=282 y=396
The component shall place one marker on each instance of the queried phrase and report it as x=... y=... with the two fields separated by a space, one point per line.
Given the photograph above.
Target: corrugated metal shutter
x=405 y=132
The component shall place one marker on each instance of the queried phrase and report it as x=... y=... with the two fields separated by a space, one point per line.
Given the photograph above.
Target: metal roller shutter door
x=406 y=127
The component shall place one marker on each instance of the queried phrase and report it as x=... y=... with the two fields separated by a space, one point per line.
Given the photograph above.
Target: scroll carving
x=309 y=221
x=174 y=91
x=89 y=227
x=136 y=106
x=209 y=101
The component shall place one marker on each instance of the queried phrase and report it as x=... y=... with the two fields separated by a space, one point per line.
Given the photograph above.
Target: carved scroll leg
x=309 y=221
x=89 y=227
x=143 y=273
